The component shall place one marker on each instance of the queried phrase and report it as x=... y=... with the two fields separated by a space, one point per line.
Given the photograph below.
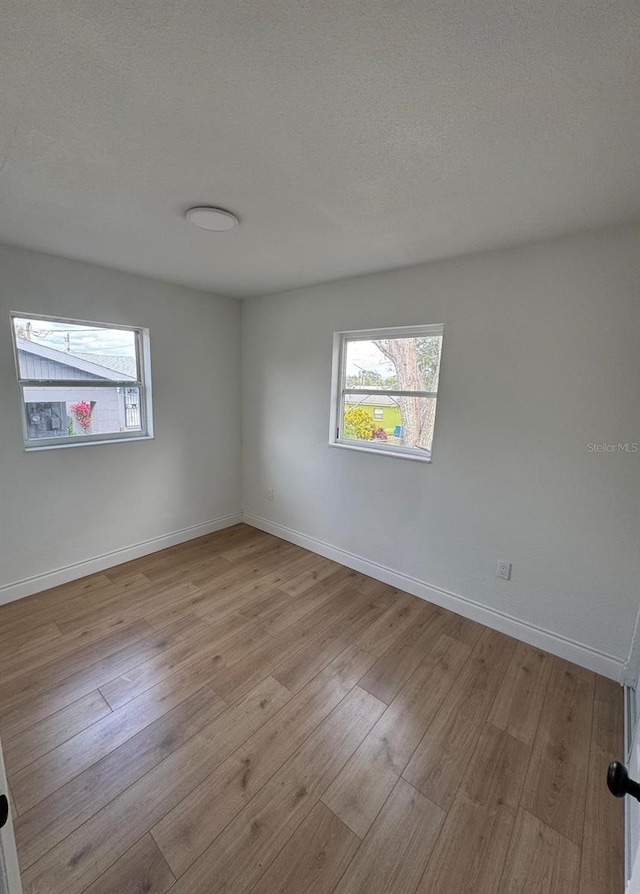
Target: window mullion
x=379 y=392
x=78 y=383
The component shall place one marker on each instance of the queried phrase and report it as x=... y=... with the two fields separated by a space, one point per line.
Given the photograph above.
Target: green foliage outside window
x=358 y=424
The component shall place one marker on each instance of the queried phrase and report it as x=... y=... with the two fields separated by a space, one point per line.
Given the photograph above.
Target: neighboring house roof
x=116 y=363
x=76 y=362
x=378 y=400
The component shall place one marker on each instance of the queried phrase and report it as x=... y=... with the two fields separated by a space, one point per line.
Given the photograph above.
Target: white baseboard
x=29 y=585
x=607 y=665
x=585 y=656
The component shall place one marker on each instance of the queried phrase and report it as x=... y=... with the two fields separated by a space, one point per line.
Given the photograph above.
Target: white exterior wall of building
x=108 y=413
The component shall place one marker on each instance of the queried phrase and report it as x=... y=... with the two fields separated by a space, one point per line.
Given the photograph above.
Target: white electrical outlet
x=269 y=494
x=503 y=570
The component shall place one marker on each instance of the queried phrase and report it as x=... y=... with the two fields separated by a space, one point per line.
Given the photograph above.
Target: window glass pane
x=52 y=350
x=406 y=364
x=78 y=411
x=407 y=421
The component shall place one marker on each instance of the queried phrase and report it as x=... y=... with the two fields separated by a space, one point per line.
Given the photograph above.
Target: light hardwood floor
x=239 y=715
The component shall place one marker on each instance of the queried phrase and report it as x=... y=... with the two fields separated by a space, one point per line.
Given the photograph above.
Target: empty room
x=319 y=447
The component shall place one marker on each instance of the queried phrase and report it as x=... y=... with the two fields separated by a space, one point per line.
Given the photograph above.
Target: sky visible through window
x=77 y=338
x=364 y=355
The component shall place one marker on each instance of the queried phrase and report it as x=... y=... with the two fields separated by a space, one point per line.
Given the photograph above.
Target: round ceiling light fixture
x=215 y=219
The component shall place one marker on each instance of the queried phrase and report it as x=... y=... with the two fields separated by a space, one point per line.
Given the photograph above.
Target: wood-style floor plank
x=236 y=714
x=394 y=854
x=14 y=644
x=27 y=746
x=141 y=599
x=229 y=593
x=81 y=615
x=519 y=703
x=87 y=852
x=495 y=774
x=142 y=870
x=250 y=843
x=392 y=670
x=540 y=860
x=364 y=609
x=285 y=611
x=464 y=629
x=234 y=682
x=306 y=663
x=555 y=787
x=31 y=678
x=233 y=635
x=47 y=699
x=320 y=570
x=313 y=859
x=448 y=744
x=187 y=830
x=40 y=608
x=400 y=615
x=244 y=586
x=471 y=850
x=53 y=769
x=75 y=802
x=362 y=787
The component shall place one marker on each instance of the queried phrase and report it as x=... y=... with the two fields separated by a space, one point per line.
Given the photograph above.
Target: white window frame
x=339 y=390
x=142 y=382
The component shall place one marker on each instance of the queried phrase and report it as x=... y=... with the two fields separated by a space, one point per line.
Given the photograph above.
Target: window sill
x=126 y=440
x=396 y=454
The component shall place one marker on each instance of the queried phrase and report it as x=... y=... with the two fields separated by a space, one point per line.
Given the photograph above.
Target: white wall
x=189 y=475
x=541 y=357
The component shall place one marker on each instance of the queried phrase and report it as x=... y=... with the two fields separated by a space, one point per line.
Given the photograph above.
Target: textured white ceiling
x=348 y=135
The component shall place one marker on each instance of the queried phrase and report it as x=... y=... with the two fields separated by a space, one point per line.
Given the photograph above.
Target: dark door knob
x=4 y=810
x=619 y=783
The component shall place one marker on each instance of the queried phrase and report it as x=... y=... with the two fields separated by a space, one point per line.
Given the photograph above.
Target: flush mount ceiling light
x=214 y=219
